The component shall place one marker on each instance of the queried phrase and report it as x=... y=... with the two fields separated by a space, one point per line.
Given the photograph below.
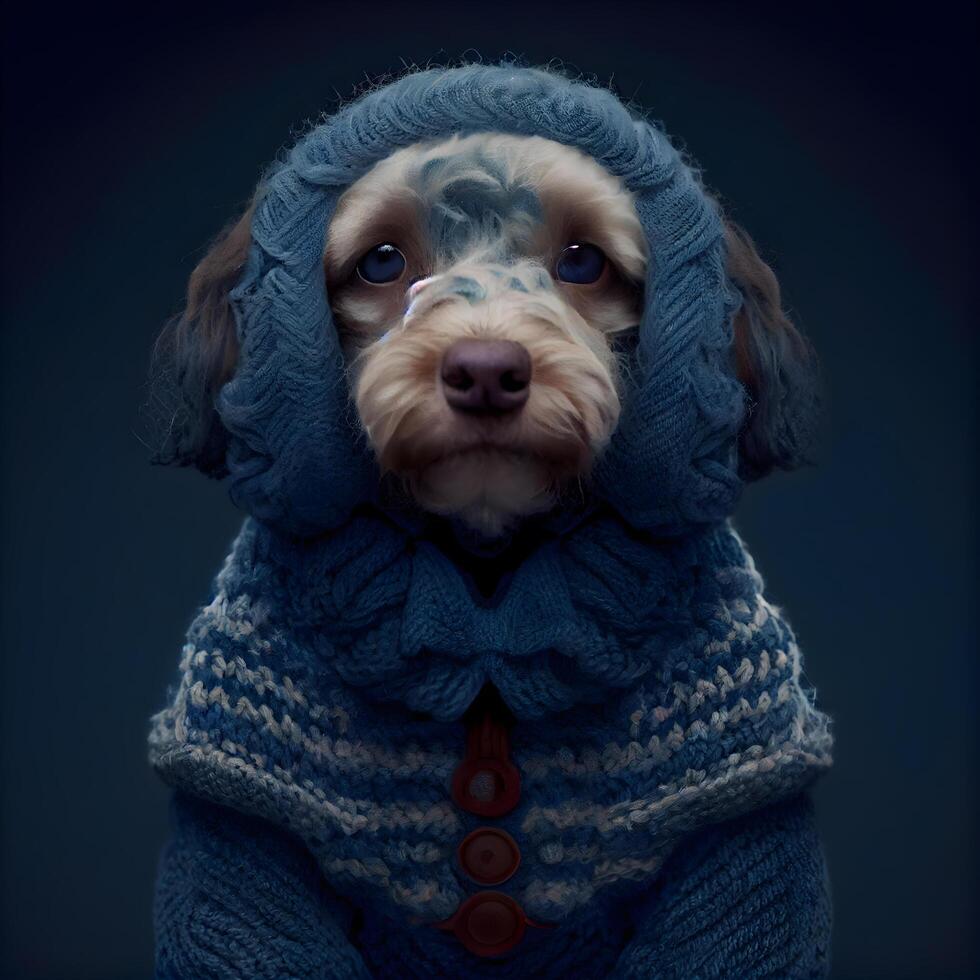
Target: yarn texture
x=665 y=733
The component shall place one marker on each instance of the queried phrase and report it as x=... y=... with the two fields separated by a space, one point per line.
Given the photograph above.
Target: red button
x=488 y=923
x=486 y=782
x=489 y=856
x=486 y=787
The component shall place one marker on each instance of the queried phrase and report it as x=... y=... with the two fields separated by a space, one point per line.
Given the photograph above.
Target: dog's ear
x=197 y=353
x=774 y=362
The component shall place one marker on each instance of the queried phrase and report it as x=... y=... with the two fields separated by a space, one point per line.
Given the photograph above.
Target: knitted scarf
x=323 y=688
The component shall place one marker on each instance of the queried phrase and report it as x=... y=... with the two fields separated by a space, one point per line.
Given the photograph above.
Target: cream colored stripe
x=635 y=756
x=568 y=895
x=416 y=895
x=268 y=797
x=350 y=815
x=238 y=619
x=607 y=819
x=345 y=755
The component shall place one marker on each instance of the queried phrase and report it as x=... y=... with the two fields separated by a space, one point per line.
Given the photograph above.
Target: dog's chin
x=489 y=489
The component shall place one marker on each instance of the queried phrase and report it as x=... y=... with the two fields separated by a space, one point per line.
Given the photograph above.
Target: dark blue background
x=840 y=140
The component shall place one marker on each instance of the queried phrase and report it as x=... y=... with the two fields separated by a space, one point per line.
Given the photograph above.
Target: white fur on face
x=482 y=221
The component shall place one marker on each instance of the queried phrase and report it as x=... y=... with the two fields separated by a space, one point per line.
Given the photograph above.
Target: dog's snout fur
x=487 y=377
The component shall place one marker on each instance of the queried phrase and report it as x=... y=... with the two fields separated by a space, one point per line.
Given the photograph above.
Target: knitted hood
x=295 y=454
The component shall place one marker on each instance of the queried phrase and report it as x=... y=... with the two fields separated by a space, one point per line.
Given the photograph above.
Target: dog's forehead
x=489 y=159
x=494 y=192
x=474 y=192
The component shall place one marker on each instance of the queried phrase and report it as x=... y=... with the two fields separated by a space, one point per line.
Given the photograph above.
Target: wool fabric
x=297 y=457
x=659 y=698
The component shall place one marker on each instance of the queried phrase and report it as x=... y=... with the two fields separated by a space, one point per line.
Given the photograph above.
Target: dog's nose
x=486 y=376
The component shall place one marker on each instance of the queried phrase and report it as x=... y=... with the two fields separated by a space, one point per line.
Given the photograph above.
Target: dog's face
x=476 y=283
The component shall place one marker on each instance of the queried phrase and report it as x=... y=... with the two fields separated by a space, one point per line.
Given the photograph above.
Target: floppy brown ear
x=197 y=353
x=774 y=362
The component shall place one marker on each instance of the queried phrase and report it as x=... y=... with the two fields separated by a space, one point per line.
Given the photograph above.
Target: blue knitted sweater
x=662 y=729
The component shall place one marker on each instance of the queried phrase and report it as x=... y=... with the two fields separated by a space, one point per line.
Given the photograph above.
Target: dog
x=488 y=394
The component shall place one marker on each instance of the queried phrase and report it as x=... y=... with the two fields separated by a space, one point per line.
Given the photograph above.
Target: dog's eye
x=383 y=263
x=580 y=263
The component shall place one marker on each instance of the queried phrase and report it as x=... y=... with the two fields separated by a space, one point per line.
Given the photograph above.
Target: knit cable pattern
x=234 y=900
x=297 y=457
